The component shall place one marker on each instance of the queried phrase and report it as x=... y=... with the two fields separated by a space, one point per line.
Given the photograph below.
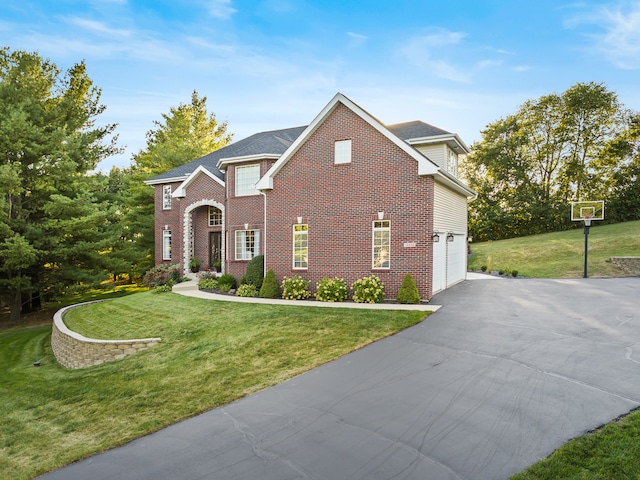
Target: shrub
x=162 y=274
x=483 y=268
x=247 y=290
x=500 y=272
x=331 y=290
x=270 y=287
x=208 y=283
x=255 y=271
x=226 y=282
x=514 y=273
x=408 y=292
x=368 y=290
x=295 y=288
x=162 y=288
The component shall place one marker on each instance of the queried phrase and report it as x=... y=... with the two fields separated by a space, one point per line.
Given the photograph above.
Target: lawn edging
x=73 y=350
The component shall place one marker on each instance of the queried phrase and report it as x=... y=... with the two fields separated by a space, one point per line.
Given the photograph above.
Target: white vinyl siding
x=436 y=153
x=449 y=211
x=246 y=179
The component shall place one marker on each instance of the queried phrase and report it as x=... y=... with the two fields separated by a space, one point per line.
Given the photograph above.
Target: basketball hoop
x=587 y=220
x=587 y=211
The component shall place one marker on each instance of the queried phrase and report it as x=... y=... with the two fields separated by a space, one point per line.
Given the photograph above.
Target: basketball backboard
x=589 y=210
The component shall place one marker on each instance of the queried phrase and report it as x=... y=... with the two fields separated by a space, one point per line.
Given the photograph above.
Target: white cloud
x=222 y=9
x=356 y=39
x=98 y=27
x=618 y=37
x=425 y=51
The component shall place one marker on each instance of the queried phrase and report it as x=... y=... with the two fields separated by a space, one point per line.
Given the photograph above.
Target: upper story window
x=452 y=163
x=381 y=243
x=215 y=216
x=166 y=197
x=300 y=246
x=342 y=152
x=246 y=179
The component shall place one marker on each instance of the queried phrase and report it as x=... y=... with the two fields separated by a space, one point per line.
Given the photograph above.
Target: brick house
x=345 y=196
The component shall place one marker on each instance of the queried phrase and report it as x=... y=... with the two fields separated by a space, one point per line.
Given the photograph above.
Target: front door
x=215 y=249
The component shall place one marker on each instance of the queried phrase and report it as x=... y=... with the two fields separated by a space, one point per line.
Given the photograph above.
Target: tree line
x=63 y=225
x=528 y=167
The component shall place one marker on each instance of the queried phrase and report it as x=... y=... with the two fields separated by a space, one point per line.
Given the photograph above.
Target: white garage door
x=449 y=262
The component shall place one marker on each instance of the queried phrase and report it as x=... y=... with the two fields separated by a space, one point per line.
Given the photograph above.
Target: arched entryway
x=204 y=234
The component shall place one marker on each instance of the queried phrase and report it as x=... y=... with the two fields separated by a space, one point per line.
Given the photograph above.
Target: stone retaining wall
x=72 y=350
x=630 y=265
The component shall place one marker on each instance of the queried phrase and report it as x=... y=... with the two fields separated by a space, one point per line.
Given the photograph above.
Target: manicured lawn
x=611 y=452
x=211 y=353
x=560 y=254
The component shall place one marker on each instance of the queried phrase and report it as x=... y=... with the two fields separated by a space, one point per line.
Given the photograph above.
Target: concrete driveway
x=504 y=373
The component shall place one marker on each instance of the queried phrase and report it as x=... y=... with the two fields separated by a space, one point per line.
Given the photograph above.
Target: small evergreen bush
x=295 y=288
x=483 y=268
x=408 y=292
x=331 y=290
x=162 y=274
x=208 y=283
x=270 y=287
x=247 y=290
x=514 y=273
x=368 y=290
x=255 y=272
x=226 y=282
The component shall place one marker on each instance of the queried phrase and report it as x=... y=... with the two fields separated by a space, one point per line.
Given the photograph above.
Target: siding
x=435 y=153
x=450 y=211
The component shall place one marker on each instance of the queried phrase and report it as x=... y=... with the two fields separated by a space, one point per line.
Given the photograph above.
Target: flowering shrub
x=331 y=290
x=247 y=290
x=368 y=290
x=295 y=288
x=162 y=275
x=208 y=283
x=162 y=288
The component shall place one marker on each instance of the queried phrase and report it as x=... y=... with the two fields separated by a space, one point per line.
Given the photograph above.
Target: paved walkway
x=499 y=377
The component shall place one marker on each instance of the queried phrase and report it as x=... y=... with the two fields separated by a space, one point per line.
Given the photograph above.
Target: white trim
x=247 y=192
x=223 y=162
x=243 y=251
x=453 y=137
x=301 y=232
x=166 y=201
x=375 y=229
x=425 y=166
x=186 y=229
x=166 y=180
x=181 y=191
x=166 y=255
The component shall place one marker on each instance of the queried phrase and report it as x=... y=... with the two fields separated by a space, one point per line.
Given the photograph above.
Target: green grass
x=611 y=452
x=560 y=254
x=211 y=354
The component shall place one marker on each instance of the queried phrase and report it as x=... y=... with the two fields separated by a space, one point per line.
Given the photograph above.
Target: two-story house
x=345 y=196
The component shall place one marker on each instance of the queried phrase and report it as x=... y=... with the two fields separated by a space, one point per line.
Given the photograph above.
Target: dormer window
x=452 y=163
x=342 y=152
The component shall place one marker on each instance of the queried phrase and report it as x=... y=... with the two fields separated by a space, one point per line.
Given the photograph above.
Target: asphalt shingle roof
x=277 y=142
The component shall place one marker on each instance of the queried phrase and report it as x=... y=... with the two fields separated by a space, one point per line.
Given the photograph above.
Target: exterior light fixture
x=450 y=237
x=380 y=215
x=299 y=220
x=435 y=237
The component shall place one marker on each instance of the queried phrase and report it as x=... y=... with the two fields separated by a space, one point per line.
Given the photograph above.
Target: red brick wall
x=240 y=211
x=340 y=202
x=173 y=220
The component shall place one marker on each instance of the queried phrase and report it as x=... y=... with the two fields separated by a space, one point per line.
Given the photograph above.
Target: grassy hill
x=560 y=254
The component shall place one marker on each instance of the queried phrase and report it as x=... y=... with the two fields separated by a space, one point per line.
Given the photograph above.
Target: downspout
x=264 y=236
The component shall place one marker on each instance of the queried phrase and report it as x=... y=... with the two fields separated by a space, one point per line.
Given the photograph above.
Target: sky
x=271 y=64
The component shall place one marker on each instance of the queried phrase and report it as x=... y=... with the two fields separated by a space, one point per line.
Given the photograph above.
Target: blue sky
x=271 y=64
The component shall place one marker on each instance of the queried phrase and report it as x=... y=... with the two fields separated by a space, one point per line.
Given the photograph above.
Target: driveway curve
x=499 y=377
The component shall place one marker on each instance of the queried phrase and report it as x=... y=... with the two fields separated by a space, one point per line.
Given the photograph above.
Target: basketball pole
x=587 y=224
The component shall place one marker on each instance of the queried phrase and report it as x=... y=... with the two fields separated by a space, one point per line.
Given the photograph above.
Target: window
x=452 y=164
x=300 y=246
x=246 y=179
x=247 y=244
x=381 y=243
x=166 y=244
x=215 y=216
x=342 y=152
x=166 y=197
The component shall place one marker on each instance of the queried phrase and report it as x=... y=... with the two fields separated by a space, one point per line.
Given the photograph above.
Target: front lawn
x=211 y=354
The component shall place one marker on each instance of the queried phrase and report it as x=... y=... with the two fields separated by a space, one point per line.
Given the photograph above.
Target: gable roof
x=274 y=142
x=420 y=133
x=425 y=165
